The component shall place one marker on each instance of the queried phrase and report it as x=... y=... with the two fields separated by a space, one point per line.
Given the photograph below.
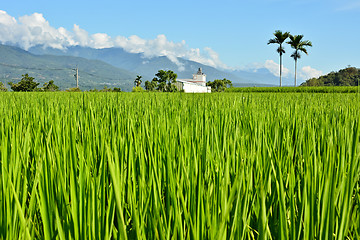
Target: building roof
x=189 y=81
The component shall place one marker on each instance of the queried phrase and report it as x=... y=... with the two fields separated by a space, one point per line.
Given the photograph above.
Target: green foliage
x=346 y=77
x=2 y=87
x=50 y=87
x=137 y=89
x=163 y=82
x=280 y=38
x=219 y=85
x=179 y=166
x=171 y=88
x=26 y=84
x=150 y=86
x=106 y=89
x=165 y=79
x=116 y=89
x=138 y=81
x=73 y=90
x=299 y=45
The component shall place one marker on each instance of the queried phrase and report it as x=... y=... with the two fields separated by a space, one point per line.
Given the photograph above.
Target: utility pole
x=76 y=75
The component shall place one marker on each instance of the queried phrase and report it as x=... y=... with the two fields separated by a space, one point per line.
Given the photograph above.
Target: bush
x=137 y=89
x=73 y=90
x=2 y=87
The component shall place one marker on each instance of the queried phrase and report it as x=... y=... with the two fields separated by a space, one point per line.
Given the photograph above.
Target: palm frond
x=292 y=38
x=274 y=40
x=306 y=43
x=298 y=44
x=280 y=50
x=302 y=49
x=280 y=37
x=296 y=55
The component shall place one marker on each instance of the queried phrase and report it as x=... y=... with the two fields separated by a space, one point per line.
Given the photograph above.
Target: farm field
x=179 y=166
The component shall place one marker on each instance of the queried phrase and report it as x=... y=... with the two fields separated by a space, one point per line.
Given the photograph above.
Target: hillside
x=112 y=67
x=92 y=73
x=148 y=67
x=345 y=77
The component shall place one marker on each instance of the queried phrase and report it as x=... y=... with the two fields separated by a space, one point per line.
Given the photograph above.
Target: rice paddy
x=179 y=166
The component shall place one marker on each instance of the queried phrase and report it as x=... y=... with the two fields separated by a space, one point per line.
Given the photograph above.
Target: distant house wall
x=189 y=87
x=194 y=88
x=195 y=85
x=199 y=79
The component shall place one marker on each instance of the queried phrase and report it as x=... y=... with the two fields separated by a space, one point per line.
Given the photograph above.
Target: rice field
x=179 y=166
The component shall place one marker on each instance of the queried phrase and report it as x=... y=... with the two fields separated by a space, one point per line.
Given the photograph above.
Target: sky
x=227 y=34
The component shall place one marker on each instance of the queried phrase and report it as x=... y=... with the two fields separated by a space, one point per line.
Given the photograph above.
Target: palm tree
x=280 y=38
x=138 y=81
x=299 y=45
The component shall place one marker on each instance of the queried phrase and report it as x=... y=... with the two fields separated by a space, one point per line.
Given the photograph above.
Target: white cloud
x=34 y=30
x=270 y=65
x=308 y=72
x=6 y=19
x=304 y=73
x=274 y=68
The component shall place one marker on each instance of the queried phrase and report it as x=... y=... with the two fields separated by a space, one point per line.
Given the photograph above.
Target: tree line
x=349 y=76
x=28 y=84
x=296 y=42
x=164 y=81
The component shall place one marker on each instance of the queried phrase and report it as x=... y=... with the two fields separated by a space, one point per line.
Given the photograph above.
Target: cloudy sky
x=223 y=34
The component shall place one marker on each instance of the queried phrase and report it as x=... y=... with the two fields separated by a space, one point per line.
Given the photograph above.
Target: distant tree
x=165 y=80
x=73 y=90
x=299 y=45
x=280 y=38
x=228 y=83
x=26 y=84
x=345 y=77
x=138 y=81
x=150 y=86
x=105 y=89
x=137 y=89
x=2 y=87
x=115 y=89
x=219 y=85
x=50 y=87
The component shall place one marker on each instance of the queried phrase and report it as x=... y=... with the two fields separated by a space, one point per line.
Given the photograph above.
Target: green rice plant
x=179 y=166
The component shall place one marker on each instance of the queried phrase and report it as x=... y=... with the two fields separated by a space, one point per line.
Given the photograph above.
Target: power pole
x=76 y=75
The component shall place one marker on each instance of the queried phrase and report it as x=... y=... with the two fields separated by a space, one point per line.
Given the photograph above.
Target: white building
x=195 y=85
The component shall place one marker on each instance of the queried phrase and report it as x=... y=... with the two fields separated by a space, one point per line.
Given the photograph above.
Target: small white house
x=195 y=85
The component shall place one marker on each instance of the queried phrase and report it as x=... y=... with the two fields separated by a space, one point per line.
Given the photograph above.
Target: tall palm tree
x=280 y=38
x=138 y=81
x=297 y=43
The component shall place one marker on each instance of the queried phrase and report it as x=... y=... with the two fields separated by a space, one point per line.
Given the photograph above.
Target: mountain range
x=14 y=62
x=111 y=67
x=148 y=67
